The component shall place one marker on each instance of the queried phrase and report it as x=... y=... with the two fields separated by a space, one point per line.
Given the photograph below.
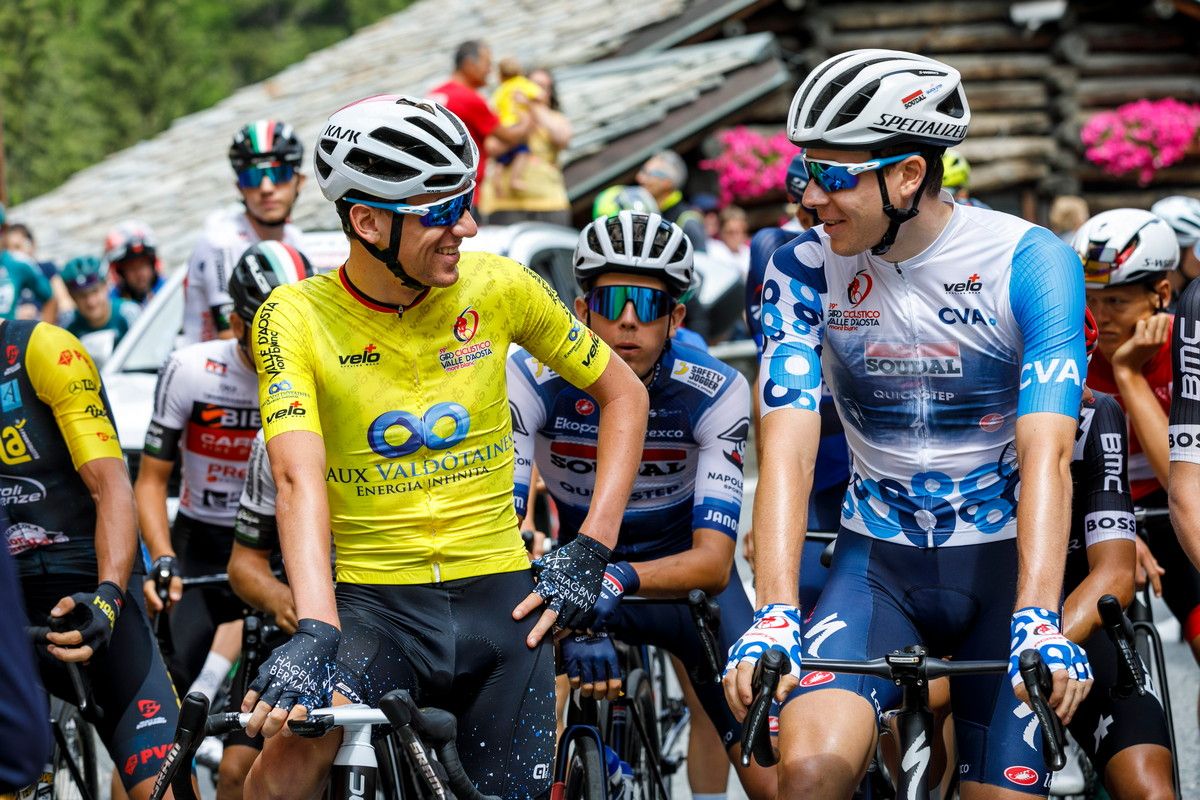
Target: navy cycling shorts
x=455 y=645
x=958 y=602
x=671 y=628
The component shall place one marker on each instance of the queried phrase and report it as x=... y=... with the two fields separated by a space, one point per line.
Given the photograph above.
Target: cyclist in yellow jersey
x=387 y=422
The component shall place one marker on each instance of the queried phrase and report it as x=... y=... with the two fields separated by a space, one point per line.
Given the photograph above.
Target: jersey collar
x=373 y=304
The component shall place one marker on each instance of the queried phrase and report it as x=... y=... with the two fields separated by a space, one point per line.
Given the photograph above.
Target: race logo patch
x=706 y=380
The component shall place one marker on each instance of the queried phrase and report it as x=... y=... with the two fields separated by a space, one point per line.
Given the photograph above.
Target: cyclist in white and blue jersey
x=679 y=529
x=952 y=342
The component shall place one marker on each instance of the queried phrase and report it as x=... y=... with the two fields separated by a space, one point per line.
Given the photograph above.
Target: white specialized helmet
x=872 y=99
x=1124 y=246
x=394 y=147
x=1183 y=214
x=638 y=243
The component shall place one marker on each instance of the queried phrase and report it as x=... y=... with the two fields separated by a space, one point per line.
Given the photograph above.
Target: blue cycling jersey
x=690 y=475
x=930 y=362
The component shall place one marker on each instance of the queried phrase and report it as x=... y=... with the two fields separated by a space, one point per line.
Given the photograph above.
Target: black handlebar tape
x=702 y=615
x=1038 y=684
x=221 y=724
x=756 y=734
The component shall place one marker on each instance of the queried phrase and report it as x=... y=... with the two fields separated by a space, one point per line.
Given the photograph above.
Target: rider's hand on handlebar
x=163 y=587
x=777 y=626
x=569 y=580
x=592 y=667
x=297 y=676
x=1038 y=629
x=91 y=617
x=1147 y=567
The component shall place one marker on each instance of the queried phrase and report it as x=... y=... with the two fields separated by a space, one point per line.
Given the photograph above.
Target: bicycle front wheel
x=586 y=774
x=80 y=751
x=636 y=751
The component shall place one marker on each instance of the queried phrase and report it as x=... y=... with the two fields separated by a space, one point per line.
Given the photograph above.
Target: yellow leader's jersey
x=414 y=411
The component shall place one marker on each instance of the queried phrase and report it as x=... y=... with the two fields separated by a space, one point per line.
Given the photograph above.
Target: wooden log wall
x=1030 y=91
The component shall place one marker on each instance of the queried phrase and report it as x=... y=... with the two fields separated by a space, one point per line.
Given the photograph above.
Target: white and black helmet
x=1183 y=214
x=635 y=242
x=394 y=147
x=872 y=99
x=1124 y=246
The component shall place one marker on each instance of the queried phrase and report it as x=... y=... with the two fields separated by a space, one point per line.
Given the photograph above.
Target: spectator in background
x=99 y=321
x=1068 y=212
x=512 y=100
x=664 y=175
x=543 y=195
x=708 y=205
x=18 y=238
x=731 y=246
x=132 y=257
x=20 y=272
x=460 y=94
x=1182 y=213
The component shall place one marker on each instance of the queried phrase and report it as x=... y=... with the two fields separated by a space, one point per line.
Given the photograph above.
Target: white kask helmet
x=1124 y=246
x=871 y=99
x=638 y=243
x=1182 y=213
x=394 y=147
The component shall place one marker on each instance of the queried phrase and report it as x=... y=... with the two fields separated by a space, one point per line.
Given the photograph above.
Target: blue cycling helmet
x=82 y=273
x=797 y=178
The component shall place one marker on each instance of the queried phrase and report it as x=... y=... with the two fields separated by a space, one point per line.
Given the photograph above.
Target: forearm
x=302 y=508
x=622 y=432
x=675 y=576
x=151 y=496
x=1184 y=502
x=116 y=531
x=780 y=525
x=251 y=579
x=1043 y=525
x=1147 y=418
x=1080 y=617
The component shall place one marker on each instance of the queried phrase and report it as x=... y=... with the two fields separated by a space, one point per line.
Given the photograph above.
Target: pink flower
x=1142 y=136
x=750 y=165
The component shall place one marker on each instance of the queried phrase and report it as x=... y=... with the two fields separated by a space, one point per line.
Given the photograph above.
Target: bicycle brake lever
x=1036 y=677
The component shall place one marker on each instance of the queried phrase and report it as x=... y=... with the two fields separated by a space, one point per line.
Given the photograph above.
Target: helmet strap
x=390 y=257
x=896 y=216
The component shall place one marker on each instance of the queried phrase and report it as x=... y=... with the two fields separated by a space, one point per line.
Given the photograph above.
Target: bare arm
x=1110 y=571
x=1146 y=418
x=1045 y=442
x=705 y=566
x=107 y=480
x=505 y=137
x=251 y=578
x=624 y=409
x=555 y=124
x=302 y=509
x=1184 y=500
x=787 y=456
x=151 y=494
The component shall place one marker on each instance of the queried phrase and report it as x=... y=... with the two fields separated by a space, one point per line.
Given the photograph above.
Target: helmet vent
x=952 y=106
x=328 y=145
x=616 y=235
x=835 y=86
x=323 y=167
x=375 y=167
x=410 y=145
x=661 y=237
x=857 y=103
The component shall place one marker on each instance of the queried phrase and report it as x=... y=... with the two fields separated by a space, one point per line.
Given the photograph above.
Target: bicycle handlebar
x=706 y=615
x=176 y=772
x=900 y=666
x=1131 y=673
x=83 y=694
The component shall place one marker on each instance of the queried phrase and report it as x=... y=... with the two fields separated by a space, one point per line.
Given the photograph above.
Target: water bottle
x=620 y=776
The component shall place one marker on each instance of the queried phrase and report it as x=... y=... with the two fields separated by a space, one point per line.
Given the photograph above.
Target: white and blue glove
x=619 y=579
x=777 y=626
x=1038 y=629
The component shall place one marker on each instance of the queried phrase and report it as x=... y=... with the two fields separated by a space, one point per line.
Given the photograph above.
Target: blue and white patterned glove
x=777 y=626
x=1038 y=629
x=619 y=579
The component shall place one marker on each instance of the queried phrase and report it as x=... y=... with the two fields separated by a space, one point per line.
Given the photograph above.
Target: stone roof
x=175 y=179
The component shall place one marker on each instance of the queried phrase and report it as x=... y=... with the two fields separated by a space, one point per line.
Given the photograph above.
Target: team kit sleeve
x=171 y=409
x=721 y=433
x=255 y=525
x=792 y=317
x=528 y=415
x=1103 y=487
x=1046 y=297
x=282 y=349
x=552 y=333
x=65 y=379
x=35 y=280
x=1183 y=431
x=208 y=274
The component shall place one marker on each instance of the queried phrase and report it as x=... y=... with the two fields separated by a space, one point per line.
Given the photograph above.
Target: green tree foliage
x=80 y=79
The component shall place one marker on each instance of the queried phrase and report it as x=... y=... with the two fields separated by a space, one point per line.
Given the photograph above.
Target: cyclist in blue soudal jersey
x=953 y=347
x=680 y=526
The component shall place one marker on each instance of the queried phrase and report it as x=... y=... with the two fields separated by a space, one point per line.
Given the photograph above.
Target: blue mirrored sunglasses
x=834 y=176
x=432 y=215
x=252 y=177
x=649 y=304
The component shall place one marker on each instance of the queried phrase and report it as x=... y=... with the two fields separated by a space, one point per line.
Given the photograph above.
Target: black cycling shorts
x=455 y=645
x=202 y=549
x=128 y=677
x=1103 y=725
